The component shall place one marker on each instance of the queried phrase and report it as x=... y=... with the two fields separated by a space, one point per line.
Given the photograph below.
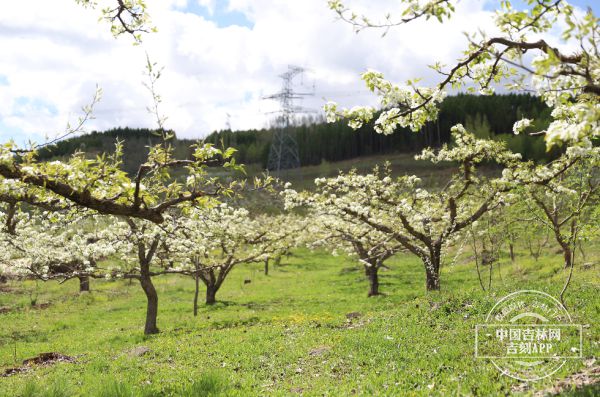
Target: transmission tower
x=283 y=154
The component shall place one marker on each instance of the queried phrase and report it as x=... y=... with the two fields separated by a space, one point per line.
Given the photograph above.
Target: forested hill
x=487 y=116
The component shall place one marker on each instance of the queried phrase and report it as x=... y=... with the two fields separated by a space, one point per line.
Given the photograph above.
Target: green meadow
x=307 y=329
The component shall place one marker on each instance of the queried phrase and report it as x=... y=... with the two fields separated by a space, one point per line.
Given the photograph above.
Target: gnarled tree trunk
x=213 y=283
x=433 y=280
x=432 y=271
x=145 y=255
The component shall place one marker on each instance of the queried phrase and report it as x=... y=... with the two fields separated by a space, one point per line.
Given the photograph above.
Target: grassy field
x=401 y=164
x=291 y=332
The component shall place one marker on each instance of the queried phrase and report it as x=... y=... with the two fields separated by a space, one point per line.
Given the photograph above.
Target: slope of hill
x=487 y=116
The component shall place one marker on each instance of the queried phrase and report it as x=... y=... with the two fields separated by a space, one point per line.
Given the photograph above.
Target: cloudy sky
x=220 y=58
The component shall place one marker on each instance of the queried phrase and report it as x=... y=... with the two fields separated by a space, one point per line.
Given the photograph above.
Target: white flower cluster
x=378 y=214
x=395 y=100
x=46 y=245
x=574 y=123
x=521 y=125
x=468 y=147
x=223 y=236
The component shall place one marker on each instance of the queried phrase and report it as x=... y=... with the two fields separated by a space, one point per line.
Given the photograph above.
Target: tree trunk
x=211 y=294
x=571 y=264
x=196 y=292
x=432 y=271
x=84 y=284
x=373 y=280
x=479 y=273
x=583 y=256
x=433 y=281
x=511 y=249
x=152 y=304
x=266 y=266
x=568 y=255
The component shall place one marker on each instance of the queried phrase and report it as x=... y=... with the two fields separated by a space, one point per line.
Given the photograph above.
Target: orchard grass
x=282 y=334
x=400 y=163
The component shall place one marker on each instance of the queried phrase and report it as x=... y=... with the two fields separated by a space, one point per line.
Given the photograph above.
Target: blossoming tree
x=332 y=227
x=295 y=232
x=140 y=243
x=55 y=245
x=208 y=243
x=567 y=78
x=563 y=197
x=425 y=222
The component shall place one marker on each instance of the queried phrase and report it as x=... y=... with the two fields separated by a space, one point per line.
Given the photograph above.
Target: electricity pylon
x=283 y=154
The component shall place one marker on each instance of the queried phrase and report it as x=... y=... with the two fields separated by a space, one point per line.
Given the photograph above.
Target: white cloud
x=55 y=52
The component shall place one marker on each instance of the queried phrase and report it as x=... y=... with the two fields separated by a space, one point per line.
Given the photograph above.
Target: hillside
x=318 y=143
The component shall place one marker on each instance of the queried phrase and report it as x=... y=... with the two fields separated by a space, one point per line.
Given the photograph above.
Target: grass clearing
x=308 y=328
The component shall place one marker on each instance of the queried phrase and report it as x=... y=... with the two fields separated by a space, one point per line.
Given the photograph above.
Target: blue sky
x=594 y=4
x=221 y=14
x=25 y=104
x=25 y=107
x=586 y=3
x=11 y=132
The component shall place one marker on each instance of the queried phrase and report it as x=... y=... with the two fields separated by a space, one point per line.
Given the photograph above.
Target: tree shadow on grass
x=582 y=391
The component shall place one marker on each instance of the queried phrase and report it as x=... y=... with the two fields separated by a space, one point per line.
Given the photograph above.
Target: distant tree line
x=486 y=116
x=136 y=142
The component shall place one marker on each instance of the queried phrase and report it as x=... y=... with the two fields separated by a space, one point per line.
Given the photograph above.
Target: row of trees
x=374 y=216
x=204 y=244
x=520 y=55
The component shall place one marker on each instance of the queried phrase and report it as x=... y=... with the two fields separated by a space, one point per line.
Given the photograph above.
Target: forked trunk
x=213 y=283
